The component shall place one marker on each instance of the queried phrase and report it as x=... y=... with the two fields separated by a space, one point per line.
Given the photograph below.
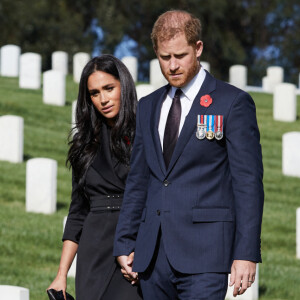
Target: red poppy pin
x=127 y=140
x=206 y=100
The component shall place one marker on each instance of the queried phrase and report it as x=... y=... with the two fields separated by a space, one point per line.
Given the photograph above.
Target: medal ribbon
x=210 y=123
x=219 y=123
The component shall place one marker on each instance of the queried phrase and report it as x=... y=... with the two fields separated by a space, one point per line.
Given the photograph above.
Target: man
x=192 y=208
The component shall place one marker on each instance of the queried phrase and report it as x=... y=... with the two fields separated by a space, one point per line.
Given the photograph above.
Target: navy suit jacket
x=209 y=201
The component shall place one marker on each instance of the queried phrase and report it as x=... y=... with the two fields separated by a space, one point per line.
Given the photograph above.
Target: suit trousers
x=161 y=281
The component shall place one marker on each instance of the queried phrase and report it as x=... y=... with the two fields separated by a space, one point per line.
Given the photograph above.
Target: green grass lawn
x=30 y=244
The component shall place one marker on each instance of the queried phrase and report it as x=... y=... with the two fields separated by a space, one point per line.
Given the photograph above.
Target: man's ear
x=199 y=48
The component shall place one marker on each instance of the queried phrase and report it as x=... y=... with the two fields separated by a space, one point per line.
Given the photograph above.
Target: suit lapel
x=156 y=108
x=208 y=86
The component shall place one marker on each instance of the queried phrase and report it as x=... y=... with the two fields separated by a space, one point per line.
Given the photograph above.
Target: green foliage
x=234 y=32
x=30 y=244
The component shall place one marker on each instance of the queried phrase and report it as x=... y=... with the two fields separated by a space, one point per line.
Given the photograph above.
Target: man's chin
x=176 y=83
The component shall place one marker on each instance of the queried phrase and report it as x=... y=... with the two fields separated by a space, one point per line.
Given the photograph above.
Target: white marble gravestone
x=72 y=270
x=143 y=90
x=73 y=124
x=60 y=61
x=274 y=77
x=10 y=292
x=11 y=138
x=131 y=63
x=157 y=79
x=80 y=59
x=74 y=105
x=291 y=154
x=54 y=88
x=251 y=293
x=298 y=233
x=266 y=84
x=205 y=65
x=41 y=182
x=30 y=71
x=238 y=76
x=285 y=102
x=10 y=55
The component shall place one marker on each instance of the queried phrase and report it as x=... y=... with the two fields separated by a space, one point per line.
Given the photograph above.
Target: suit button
x=166 y=182
x=158 y=212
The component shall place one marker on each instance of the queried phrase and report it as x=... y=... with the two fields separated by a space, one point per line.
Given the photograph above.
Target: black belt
x=104 y=203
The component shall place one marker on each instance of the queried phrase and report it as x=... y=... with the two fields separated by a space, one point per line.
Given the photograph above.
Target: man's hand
x=126 y=267
x=242 y=276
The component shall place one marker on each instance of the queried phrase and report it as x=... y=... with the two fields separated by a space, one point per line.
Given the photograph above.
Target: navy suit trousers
x=161 y=281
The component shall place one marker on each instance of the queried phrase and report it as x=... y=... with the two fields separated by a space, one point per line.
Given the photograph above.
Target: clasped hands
x=126 y=267
x=242 y=273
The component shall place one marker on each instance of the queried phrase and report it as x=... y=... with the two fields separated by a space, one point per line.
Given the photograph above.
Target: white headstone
x=41 y=181
x=10 y=55
x=10 y=292
x=30 y=71
x=275 y=77
x=205 y=65
x=157 y=79
x=11 y=138
x=60 y=61
x=298 y=233
x=54 y=88
x=80 y=59
x=299 y=82
x=291 y=154
x=285 y=102
x=267 y=84
x=72 y=270
x=276 y=74
x=143 y=90
x=238 y=76
x=250 y=294
x=74 y=105
x=131 y=63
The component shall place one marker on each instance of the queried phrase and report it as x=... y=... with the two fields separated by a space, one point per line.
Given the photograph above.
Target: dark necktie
x=172 y=127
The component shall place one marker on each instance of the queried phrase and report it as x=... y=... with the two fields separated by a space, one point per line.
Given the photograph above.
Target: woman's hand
x=59 y=284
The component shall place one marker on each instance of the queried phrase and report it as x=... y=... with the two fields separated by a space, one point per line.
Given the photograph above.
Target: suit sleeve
x=134 y=196
x=79 y=209
x=245 y=161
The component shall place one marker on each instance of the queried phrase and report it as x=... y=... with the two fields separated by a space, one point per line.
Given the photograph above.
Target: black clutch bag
x=58 y=295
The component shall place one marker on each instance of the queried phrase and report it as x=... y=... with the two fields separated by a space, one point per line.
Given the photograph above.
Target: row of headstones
x=275 y=76
x=54 y=80
x=28 y=66
x=12 y=132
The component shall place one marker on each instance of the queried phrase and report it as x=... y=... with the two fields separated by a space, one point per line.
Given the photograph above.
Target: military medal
x=201 y=127
x=219 y=127
x=210 y=133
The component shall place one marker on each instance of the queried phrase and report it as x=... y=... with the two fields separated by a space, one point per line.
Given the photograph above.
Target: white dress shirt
x=189 y=92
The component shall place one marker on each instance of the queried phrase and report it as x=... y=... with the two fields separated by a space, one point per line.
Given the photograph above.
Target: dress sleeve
x=79 y=209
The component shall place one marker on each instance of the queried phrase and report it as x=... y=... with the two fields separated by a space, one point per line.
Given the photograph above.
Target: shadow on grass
x=60 y=205
x=262 y=290
x=27 y=157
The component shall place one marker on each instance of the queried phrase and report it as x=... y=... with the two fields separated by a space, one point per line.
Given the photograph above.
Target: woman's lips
x=107 y=109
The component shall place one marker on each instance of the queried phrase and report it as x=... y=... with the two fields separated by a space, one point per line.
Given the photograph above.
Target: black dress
x=91 y=223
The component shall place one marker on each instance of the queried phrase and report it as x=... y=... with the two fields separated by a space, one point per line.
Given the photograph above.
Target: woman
x=99 y=157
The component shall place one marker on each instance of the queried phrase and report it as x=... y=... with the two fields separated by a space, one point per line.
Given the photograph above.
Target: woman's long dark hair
x=87 y=131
